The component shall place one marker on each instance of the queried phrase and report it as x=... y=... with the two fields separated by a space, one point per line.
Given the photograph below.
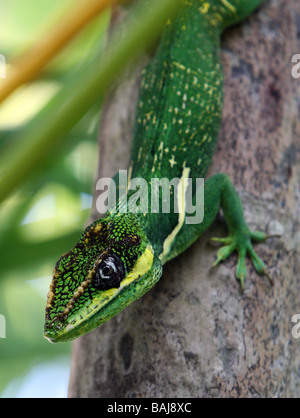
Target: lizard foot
x=242 y=243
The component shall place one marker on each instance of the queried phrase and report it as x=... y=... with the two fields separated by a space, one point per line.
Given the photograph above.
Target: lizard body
x=120 y=257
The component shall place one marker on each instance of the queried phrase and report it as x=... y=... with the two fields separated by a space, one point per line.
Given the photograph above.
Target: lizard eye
x=110 y=273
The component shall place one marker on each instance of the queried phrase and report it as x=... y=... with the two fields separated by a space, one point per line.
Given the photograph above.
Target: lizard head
x=111 y=265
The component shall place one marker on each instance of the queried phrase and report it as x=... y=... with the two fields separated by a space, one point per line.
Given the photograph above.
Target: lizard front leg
x=220 y=192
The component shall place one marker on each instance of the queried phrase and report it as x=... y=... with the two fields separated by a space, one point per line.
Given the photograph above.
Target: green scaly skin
x=177 y=123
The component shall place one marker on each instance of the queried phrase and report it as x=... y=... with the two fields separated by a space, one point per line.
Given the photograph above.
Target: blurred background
x=45 y=217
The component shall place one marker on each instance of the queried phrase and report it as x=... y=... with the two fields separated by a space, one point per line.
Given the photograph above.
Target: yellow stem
x=30 y=64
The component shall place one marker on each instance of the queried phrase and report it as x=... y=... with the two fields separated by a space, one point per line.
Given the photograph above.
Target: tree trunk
x=195 y=334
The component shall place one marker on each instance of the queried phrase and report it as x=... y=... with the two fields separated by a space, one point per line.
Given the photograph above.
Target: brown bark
x=195 y=334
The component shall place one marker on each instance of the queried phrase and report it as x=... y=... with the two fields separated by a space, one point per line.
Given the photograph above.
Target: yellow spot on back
x=204 y=8
x=172 y=161
x=140 y=153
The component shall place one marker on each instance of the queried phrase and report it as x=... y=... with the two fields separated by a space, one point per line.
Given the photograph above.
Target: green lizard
x=120 y=257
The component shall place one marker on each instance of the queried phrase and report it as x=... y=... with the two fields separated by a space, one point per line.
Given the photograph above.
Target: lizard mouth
x=55 y=331
x=50 y=336
x=56 y=334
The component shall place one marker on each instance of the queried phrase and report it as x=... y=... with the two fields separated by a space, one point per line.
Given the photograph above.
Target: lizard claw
x=262 y=237
x=223 y=253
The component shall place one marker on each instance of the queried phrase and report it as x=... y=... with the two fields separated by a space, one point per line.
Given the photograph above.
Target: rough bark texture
x=195 y=334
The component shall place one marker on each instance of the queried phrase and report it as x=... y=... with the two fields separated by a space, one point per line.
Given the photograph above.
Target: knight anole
x=120 y=257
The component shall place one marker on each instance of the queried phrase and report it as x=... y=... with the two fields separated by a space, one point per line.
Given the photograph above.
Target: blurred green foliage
x=46 y=215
